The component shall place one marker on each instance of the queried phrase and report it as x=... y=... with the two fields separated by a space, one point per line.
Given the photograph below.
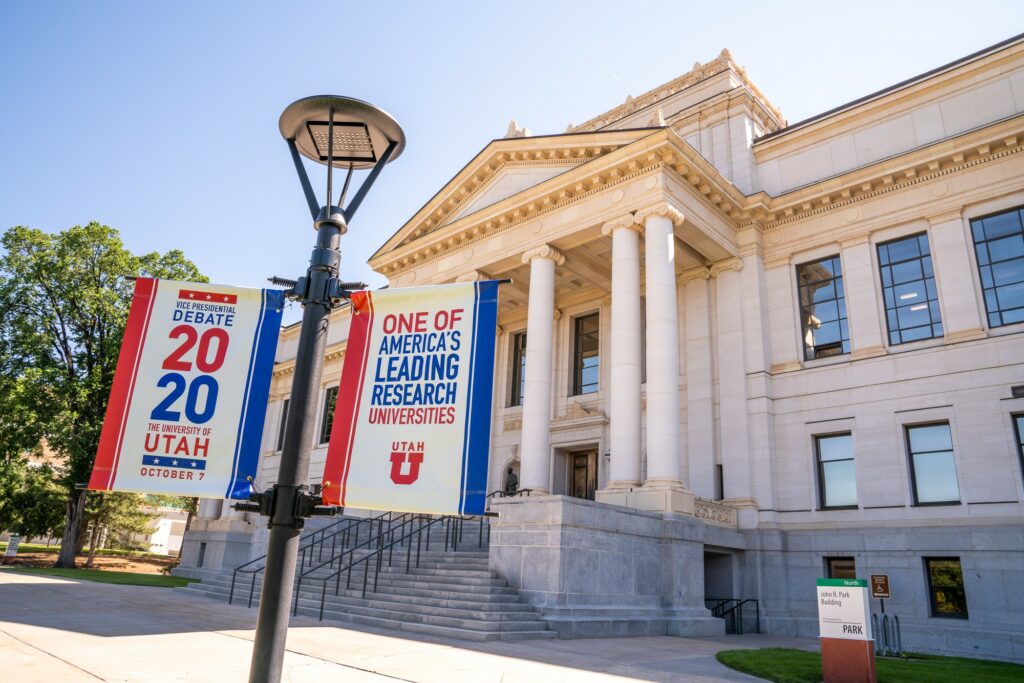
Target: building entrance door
x=583 y=474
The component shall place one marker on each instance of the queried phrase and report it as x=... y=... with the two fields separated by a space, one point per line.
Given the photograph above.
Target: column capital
x=471 y=276
x=691 y=274
x=660 y=209
x=726 y=265
x=625 y=221
x=945 y=216
x=545 y=251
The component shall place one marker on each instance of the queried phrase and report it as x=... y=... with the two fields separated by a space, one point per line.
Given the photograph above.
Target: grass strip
x=783 y=665
x=102 y=576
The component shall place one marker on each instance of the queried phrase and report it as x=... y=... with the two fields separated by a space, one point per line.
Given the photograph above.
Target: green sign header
x=848 y=583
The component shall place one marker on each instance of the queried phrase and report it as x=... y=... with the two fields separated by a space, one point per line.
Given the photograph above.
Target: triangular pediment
x=503 y=169
x=507 y=182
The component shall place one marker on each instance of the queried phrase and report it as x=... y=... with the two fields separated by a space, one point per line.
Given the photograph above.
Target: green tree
x=64 y=300
x=39 y=502
x=118 y=516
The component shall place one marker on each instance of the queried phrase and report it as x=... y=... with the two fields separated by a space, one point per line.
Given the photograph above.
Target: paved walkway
x=71 y=631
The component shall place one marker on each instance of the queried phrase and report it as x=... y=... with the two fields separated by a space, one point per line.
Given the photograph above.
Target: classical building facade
x=739 y=354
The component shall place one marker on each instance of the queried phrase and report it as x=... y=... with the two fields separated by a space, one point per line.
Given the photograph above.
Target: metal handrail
x=305 y=549
x=722 y=609
x=371 y=539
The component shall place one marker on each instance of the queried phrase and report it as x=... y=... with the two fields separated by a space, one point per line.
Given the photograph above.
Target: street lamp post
x=339 y=132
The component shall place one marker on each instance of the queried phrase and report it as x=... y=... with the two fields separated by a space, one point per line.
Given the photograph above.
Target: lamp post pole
x=370 y=139
x=283 y=548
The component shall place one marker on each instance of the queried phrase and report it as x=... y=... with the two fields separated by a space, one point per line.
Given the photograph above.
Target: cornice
x=545 y=251
x=698 y=73
x=958 y=154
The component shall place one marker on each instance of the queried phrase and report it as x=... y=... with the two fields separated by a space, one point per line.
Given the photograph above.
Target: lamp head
x=361 y=131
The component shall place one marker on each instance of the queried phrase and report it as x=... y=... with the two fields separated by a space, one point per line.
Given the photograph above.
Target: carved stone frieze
x=714 y=512
x=545 y=251
x=660 y=209
x=726 y=265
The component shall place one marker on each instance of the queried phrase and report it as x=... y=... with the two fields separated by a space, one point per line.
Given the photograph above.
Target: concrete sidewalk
x=55 y=629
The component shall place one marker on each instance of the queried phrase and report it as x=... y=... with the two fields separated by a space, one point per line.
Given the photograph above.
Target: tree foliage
x=64 y=300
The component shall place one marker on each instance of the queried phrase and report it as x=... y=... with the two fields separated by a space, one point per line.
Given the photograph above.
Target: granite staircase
x=450 y=592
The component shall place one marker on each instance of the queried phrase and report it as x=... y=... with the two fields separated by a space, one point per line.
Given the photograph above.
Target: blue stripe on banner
x=466 y=445
x=169 y=461
x=257 y=390
x=478 y=435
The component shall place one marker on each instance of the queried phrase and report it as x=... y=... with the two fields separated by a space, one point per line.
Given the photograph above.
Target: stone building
x=739 y=354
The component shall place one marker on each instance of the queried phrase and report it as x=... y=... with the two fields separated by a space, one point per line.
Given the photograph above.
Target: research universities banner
x=412 y=423
x=186 y=409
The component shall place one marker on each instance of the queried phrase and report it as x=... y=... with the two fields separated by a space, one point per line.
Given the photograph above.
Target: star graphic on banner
x=227 y=298
x=193 y=464
x=156 y=461
x=208 y=297
x=174 y=462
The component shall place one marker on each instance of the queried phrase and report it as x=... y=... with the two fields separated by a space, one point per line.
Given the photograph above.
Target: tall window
x=946 y=587
x=840 y=568
x=280 y=428
x=932 y=468
x=327 y=419
x=1018 y=429
x=823 y=308
x=837 y=479
x=908 y=284
x=518 y=382
x=999 y=244
x=586 y=354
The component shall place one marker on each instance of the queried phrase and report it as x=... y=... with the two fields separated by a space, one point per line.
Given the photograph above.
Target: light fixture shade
x=361 y=131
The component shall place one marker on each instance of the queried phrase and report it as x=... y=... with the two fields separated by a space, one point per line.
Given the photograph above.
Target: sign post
x=12 y=549
x=847 y=645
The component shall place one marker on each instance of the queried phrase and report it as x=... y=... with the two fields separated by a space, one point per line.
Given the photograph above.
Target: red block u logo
x=399 y=459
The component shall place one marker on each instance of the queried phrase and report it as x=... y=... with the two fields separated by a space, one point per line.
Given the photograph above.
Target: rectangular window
x=518 y=382
x=946 y=587
x=586 y=355
x=908 y=285
x=999 y=244
x=823 y=308
x=837 y=479
x=280 y=428
x=840 y=568
x=932 y=468
x=327 y=419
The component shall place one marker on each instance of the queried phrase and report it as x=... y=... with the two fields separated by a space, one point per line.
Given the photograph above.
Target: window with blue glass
x=823 y=308
x=908 y=285
x=586 y=355
x=999 y=245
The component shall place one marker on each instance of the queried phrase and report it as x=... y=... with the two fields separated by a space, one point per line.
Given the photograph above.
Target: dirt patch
x=136 y=565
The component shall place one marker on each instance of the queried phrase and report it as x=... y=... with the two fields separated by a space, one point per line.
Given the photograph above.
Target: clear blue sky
x=160 y=118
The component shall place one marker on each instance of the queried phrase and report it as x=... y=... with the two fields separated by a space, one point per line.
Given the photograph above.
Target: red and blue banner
x=186 y=409
x=412 y=425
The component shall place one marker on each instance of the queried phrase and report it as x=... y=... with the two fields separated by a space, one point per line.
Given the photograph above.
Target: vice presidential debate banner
x=186 y=410
x=412 y=424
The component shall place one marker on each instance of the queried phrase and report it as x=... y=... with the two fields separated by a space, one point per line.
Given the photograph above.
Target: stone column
x=950 y=247
x=624 y=397
x=535 y=456
x=209 y=508
x=663 y=343
x=732 y=384
x=663 y=489
x=700 y=419
x=863 y=309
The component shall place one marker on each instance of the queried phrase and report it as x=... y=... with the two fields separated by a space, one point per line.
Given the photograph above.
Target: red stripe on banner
x=105 y=466
x=207 y=297
x=350 y=391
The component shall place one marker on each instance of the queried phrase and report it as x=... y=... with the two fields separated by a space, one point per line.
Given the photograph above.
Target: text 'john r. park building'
x=736 y=355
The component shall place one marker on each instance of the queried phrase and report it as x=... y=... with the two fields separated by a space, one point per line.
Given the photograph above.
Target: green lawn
x=798 y=666
x=41 y=548
x=127 y=578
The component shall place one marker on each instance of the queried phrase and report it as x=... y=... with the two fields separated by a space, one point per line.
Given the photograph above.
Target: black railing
x=731 y=610
x=311 y=545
